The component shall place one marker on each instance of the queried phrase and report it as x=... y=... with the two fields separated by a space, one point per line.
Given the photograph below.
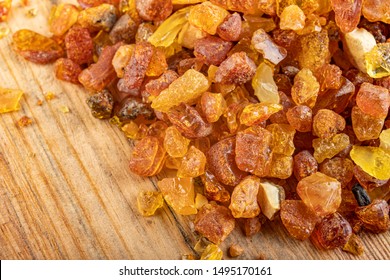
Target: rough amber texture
x=292 y=18
x=269 y=198
x=384 y=138
x=376 y=10
x=347 y=14
x=5 y=7
x=158 y=64
x=67 y=70
x=214 y=190
x=230 y=28
x=212 y=50
x=373 y=160
x=264 y=85
x=297 y=218
x=62 y=17
x=251 y=226
x=101 y=104
x=282 y=138
x=122 y=58
x=215 y=222
x=236 y=69
x=338 y=168
x=376 y=60
x=193 y=163
x=212 y=252
x=320 y=193
x=149 y=202
x=329 y=147
x=305 y=88
x=258 y=112
x=123 y=30
x=354 y=245
x=366 y=127
x=94 y=3
x=179 y=194
x=327 y=123
x=235 y=250
x=281 y=166
x=375 y=216
x=244 y=198
x=314 y=50
x=264 y=44
x=174 y=143
x=79 y=45
x=366 y=180
x=102 y=17
x=300 y=118
x=213 y=106
x=329 y=76
x=154 y=10
x=36 y=47
x=9 y=99
x=304 y=165
x=373 y=100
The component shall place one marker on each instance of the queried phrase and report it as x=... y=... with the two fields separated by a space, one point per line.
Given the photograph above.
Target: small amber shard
x=300 y=117
x=79 y=45
x=9 y=99
x=102 y=17
x=123 y=30
x=258 y=112
x=212 y=50
x=213 y=106
x=282 y=138
x=200 y=201
x=215 y=222
x=281 y=166
x=338 y=168
x=4 y=31
x=297 y=218
x=329 y=147
x=149 y=202
x=230 y=28
x=212 y=252
x=304 y=165
x=373 y=160
x=329 y=76
x=158 y=64
x=24 y=121
x=327 y=123
x=192 y=164
x=366 y=127
x=264 y=84
x=373 y=100
x=243 y=203
x=174 y=143
x=62 y=18
x=377 y=63
x=154 y=10
x=376 y=10
x=101 y=104
x=292 y=18
x=375 y=216
x=179 y=194
x=207 y=16
x=366 y=180
x=214 y=190
x=347 y=14
x=305 y=89
x=122 y=58
x=269 y=198
x=36 y=47
x=264 y=44
x=251 y=226
x=236 y=69
x=67 y=70
x=235 y=250
x=320 y=193
x=133 y=108
x=385 y=140
x=93 y=3
x=354 y=245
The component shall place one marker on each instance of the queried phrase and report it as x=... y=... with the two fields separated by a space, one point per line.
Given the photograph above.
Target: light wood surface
x=66 y=192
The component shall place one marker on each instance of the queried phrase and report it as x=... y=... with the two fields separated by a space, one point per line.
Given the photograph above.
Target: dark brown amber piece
x=101 y=104
x=79 y=45
x=35 y=47
x=304 y=165
x=124 y=30
x=212 y=50
x=215 y=222
x=154 y=10
x=230 y=28
x=332 y=232
x=133 y=108
x=67 y=70
x=236 y=69
x=97 y=76
x=221 y=160
x=375 y=216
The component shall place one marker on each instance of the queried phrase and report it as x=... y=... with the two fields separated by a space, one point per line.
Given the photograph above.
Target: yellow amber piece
x=64 y=109
x=175 y=144
x=50 y=95
x=264 y=85
x=281 y=166
x=189 y=35
x=102 y=17
x=122 y=58
x=62 y=18
x=212 y=252
x=148 y=202
x=167 y=32
x=130 y=130
x=258 y=112
x=244 y=198
x=305 y=89
x=200 y=200
x=186 y=88
x=158 y=64
x=213 y=106
x=329 y=147
x=24 y=121
x=193 y=164
x=308 y=6
x=207 y=16
x=179 y=194
x=377 y=61
x=9 y=99
x=292 y=18
x=373 y=160
x=282 y=138
x=384 y=138
x=186 y=2
x=314 y=50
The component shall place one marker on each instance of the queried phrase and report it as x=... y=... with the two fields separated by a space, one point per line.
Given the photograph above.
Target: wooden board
x=66 y=192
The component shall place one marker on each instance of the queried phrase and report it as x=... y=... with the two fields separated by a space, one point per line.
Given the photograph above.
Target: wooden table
x=66 y=192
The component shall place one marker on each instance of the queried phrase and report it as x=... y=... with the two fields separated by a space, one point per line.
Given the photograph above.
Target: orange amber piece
x=258 y=112
x=236 y=69
x=320 y=193
x=292 y=18
x=305 y=89
x=179 y=194
x=158 y=64
x=154 y=10
x=102 y=17
x=376 y=10
x=79 y=45
x=213 y=106
x=243 y=203
x=281 y=166
x=193 y=163
x=282 y=138
x=329 y=76
x=67 y=70
x=214 y=190
x=347 y=14
x=156 y=86
x=366 y=127
x=338 y=168
x=297 y=218
x=212 y=50
x=354 y=245
x=62 y=18
x=149 y=202
x=327 y=123
x=375 y=216
x=304 y=165
x=215 y=222
x=300 y=117
x=36 y=47
x=251 y=226
x=123 y=30
x=314 y=51
x=122 y=58
x=9 y=99
x=329 y=147
x=230 y=28
x=93 y=3
x=147 y=157
x=174 y=143
x=366 y=180
x=373 y=100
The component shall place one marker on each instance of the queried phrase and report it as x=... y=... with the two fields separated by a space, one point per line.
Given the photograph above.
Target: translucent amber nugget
x=62 y=18
x=305 y=89
x=264 y=85
x=193 y=164
x=236 y=69
x=9 y=99
x=186 y=88
x=258 y=112
x=377 y=62
x=67 y=70
x=214 y=190
x=375 y=216
x=376 y=10
x=207 y=16
x=373 y=100
x=366 y=180
x=123 y=30
x=314 y=50
x=102 y=17
x=179 y=194
x=329 y=76
x=297 y=218
x=235 y=250
x=281 y=166
x=300 y=117
x=366 y=127
x=122 y=58
x=304 y=165
x=215 y=222
x=94 y=3
x=36 y=47
x=282 y=138
x=24 y=121
x=244 y=198
x=189 y=34
x=155 y=87
x=264 y=44
x=373 y=160
x=212 y=252
x=154 y=10
x=230 y=28
x=329 y=147
x=320 y=193
x=338 y=168
x=149 y=202
x=292 y=18
x=213 y=106
x=79 y=45
x=385 y=140
x=158 y=64
x=174 y=143
x=327 y=123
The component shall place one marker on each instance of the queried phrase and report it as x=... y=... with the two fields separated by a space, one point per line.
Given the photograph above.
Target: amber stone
x=264 y=44
x=79 y=45
x=347 y=14
x=373 y=160
x=366 y=180
x=320 y=193
x=304 y=165
x=327 y=123
x=282 y=138
x=314 y=50
x=212 y=252
x=122 y=58
x=62 y=17
x=253 y=150
x=179 y=194
x=102 y=17
x=154 y=10
x=329 y=76
x=376 y=10
x=221 y=162
x=213 y=106
x=235 y=250
x=256 y=113
x=373 y=100
x=354 y=245
x=300 y=118
x=281 y=116
x=212 y=50
x=230 y=28
x=192 y=164
x=148 y=202
x=215 y=222
x=338 y=168
x=123 y=30
x=244 y=6
x=67 y=70
x=297 y=218
x=214 y=190
x=332 y=232
x=251 y=226
x=264 y=84
x=366 y=127
x=305 y=88
x=5 y=7
x=97 y=76
x=158 y=64
x=133 y=108
x=329 y=147
x=236 y=69
x=156 y=86
x=281 y=166
x=36 y=47
x=292 y=18
x=375 y=216
x=147 y=157
x=243 y=202
x=9 y=99
x=174 y=143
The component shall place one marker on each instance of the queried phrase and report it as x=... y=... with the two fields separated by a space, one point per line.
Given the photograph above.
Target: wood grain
x=66 y=192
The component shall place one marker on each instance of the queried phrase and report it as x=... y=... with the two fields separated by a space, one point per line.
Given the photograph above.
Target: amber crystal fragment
x=230 y=28
x=354 y=245
x=281 y=166
x=192 y=164
x=264 y=44
x=244 y=198
x=102 y=17
x=79 y=45
x=314 y=50
x=327 y=123
x=251 y=226
x=154 y=10
x=305 y=88
x=373 y=160
x=236 y=69
x=347 y=14
x=376 y=10
x=373 y=100
x=329 y=147
x=67 y=70
x=214 y=190
x=292 y=18
x=375 y=216
x=213 y=106
x=366 y=180
x=264 y=84
x=269 y=198
x=36 y=47
x=297 y=218
x=148 y=202
x=215 y=222
x=5 y=7
x=282 y=138
x=235 y=250
x=258 y=112
x=212 y=50
x=376 y=60
x=101 y=104
x=304 y=165
x=366 y=127
x=62 y=18
x=123 y=30
x=133 y=108
x=300 y=118
x=212 y=252
x=174 y=143
x=122 y=58
x=338 y=168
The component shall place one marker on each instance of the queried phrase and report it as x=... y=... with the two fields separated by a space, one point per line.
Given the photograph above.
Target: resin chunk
x=338 y=168
x=327 y=123
x=375 y=216
x=320 y=193
x=329 y=76
x=354 y=245
x=300 y=118
x=269 y=198
x=366 y=180
x=305 y=88
x=264 y=44
x=282 y=138
x=314 y=50
x=236 y=69
x=385 y=140
x=329 y=147
x=365 y=126
x=189 y=34
x=149 y=202
x=281 y=166
x=174 y=143
x=304 y=165
x=212 y=252
x=264 y=84
x=67 y=70
x=102 y=17
x=132 y=108
x=155 y=87
x=230 y=28
x=179 y=194
x=376 y=10
x=101 y=104
x=9 y=99
x=256 y=113
x=235 y=250
x=154 y=10
x=212 y=50
x=158 y=64
x=347 y=14
x=5 y=7
x=122 y=58
x=123 y=30
x=214 y=190
x=193 y=164
x=373 y=100
x=372 y=160
x=79 y=45
x=292 y=18
x=244 y=198
x=213 y=106
x=377 y=63
x=62 y=18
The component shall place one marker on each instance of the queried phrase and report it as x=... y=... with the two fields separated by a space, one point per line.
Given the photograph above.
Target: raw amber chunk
x=264 y=85
x=36 y=47
x=9 y=99
x=347 y=14
x=149 y=202
x=179 y=194
x=305 y=89
x=174 y=143
x=215 y=222
x=253 y=150
x=207 y=16
x=213 y=106
x=329 y=76
x=200 y=200
x=101 y=104
x=300 y=117
x=144 y=32
x=385 y=140
x=132 y=108
x=122 y=58
x=94 y=3
x=24 y=121
x=236 y=69
x=251 y=226
x=235 y=250
x=297 y=218
x=212 y=252
x=314 y=50
x=332 y=232
x=244 y=198
x=287 y=103
x=214 y=190
x=154 y=10
x=189 y=34
x=123 y=30
x=377 y=63
x=304 y=165
x=79 y=45
x=292 y=18
x=281 y=166
x=373 y=100
x=264 y=44
x=376 y=10
x=258 y=112
x=147 y=157
x=244 y=6
x=67 y=70
x=366 y=180
x=372 y=160
x=282 y=138
x=156 y=86
x=365 y=126
x=327 y=123
x=158 y=64
x=354 y=245
x=212 y=50
x=102 y=17
x=97 y=76
x=329 y=147
x=375 y=216
x=5 y=7
x=320 y=193
x=221 y=162
x=193 y=164
x=186 y=88
x=62 y=18
x=338 y=168
x=230 y=28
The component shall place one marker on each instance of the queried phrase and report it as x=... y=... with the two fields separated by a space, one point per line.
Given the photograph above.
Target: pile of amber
x=260 y=109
